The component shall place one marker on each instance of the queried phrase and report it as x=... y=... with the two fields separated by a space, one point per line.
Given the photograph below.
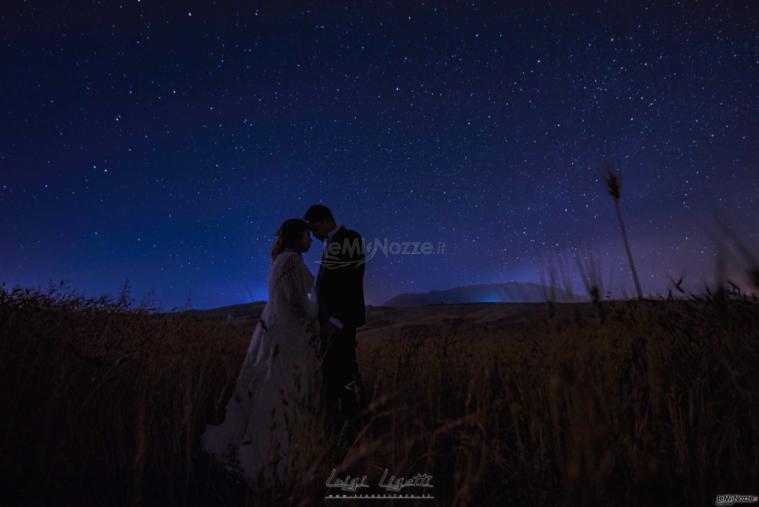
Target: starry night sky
x=164 y=142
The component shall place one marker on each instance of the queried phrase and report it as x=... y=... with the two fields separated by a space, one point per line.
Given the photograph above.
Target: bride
x=279 y=368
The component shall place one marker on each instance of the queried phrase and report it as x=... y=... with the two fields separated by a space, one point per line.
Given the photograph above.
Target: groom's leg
x=339 y=369
x=333 y=376
x=349 y=382
x=349 y=375
x=331 y=380
x=341 y=379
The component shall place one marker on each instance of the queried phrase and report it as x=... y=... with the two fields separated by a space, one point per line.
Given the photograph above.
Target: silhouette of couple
x=303 y=348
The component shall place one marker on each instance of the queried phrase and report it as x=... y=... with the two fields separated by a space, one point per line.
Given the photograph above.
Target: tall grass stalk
x=614 y=189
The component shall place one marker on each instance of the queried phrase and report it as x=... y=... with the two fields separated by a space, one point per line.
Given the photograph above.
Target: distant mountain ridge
x=508 y=292
x=243 y=312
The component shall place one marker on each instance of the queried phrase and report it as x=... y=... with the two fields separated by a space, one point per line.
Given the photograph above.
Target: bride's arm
x=294 y=292
x=296 y=297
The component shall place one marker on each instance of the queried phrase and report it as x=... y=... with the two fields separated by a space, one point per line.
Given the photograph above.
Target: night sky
x=164 y=142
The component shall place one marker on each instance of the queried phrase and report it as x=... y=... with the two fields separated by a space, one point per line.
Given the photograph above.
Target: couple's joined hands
x=321 y=336
x=318 y=338
x=312 y=331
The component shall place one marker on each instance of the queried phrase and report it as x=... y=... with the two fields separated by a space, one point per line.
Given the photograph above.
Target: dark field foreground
x=617 y=403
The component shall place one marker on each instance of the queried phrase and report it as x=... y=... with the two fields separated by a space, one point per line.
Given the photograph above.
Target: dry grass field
x=616 y=403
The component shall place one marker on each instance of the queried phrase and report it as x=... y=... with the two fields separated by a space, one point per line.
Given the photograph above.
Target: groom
x=340 y=298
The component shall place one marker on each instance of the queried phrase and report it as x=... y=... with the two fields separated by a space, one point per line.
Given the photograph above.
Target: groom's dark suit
x=339 y=284
x=340 y=296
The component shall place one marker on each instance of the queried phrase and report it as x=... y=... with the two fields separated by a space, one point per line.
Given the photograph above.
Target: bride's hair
x=289 y=235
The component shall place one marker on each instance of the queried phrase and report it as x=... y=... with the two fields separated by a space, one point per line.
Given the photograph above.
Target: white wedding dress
x=281 y=360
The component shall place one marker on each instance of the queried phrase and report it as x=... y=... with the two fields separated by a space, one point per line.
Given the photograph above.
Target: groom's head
x=320 y=220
